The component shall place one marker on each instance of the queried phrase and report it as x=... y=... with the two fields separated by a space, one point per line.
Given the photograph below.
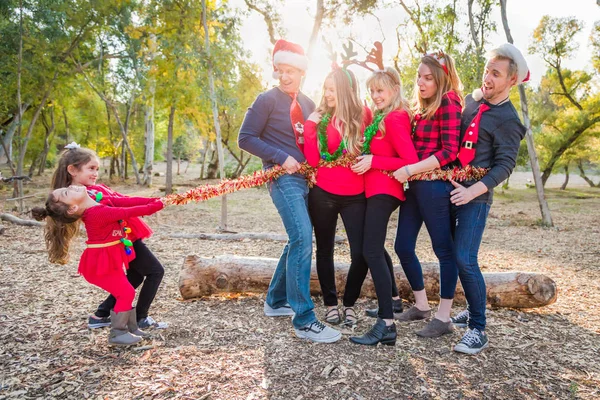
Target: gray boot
x=133 y=325
x=119 y=335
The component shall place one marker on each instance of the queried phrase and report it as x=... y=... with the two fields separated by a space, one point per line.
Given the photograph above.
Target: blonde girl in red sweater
x=331 y=132
x=387 y=146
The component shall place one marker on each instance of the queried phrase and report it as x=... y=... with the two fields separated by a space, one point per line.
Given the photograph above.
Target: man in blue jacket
x=273 y=130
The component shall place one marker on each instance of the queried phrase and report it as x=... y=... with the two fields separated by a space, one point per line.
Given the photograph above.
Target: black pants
x=379 y=209
x=144 y=265
x=324 y=208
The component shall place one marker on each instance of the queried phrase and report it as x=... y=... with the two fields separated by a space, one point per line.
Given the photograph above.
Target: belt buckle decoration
x=468 y=144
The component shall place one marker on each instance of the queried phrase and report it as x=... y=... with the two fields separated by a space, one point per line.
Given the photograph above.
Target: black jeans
x=324 y=208
x=379 y=209
x=144 y=265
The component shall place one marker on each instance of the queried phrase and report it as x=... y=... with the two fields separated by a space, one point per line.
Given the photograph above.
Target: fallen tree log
x=18 y=221
x=276 y=237
x=232 y=274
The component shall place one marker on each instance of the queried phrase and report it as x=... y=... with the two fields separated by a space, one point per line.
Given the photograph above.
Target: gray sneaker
x=150 y=323
x=461 y=320
x=472 y=342
x=283 y=311
x=318 y=332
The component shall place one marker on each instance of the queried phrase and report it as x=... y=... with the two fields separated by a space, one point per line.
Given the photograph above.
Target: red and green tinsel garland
x=258 y=178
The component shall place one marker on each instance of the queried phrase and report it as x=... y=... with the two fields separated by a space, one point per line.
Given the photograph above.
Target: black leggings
x=379 y=209
x=144 y=265
x=324 y=208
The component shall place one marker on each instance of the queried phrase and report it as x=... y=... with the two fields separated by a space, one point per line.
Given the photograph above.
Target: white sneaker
x=283 y=311
x=318 y=332
x=149 y=323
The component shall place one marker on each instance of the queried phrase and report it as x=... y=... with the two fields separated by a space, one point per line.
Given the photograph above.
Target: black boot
x=396 y=305
x=379 y=333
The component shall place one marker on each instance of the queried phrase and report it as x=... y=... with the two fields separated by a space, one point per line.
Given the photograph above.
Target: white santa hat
x=288 y=53
x=508 y=50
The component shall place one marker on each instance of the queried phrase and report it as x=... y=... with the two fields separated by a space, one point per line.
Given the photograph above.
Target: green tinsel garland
x=370 y=132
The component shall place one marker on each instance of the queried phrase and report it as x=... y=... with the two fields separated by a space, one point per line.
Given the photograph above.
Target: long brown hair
x=348 y=112
x=77 y=157
x=61 y=228
x=388 y=78
x=445 y=82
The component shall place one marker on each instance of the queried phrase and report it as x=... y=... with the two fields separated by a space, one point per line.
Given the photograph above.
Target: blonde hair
x=348 y=112
x=446 y=82
x=388 y=78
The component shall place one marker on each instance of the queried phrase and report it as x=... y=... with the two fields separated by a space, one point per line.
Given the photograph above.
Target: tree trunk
x=18 y=221
x=49 y=131
x=533 y=159
x=240 y=236
x=169 y=177
x=149 y=123
x=566 y=182
x=215 y=112
x=584 y=176
x=230 y=274
x=203 y=158
x=315 y=32
x=7 y=139
x=178 y=164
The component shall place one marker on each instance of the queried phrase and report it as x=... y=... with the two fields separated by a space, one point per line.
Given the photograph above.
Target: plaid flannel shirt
x=440 y=136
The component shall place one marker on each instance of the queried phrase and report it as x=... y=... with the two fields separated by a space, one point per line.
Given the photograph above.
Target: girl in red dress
x=79 y=166
x=104 y=261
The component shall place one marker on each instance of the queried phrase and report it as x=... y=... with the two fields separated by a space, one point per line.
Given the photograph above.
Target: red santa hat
x=508 y=50
x=288 y=53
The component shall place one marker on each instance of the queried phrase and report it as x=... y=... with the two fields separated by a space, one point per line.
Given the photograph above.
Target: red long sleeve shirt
x=337 y=180
x=139 y=229
x=440 y=136
x=102 y=226
x=390 y=152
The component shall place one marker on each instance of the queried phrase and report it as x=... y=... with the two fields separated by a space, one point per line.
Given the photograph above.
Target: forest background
x=129 y=78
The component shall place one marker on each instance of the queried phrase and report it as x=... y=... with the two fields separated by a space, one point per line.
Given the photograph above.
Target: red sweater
x=337 y=180
x=139 y=229
x=391 y=152
x=102 y=226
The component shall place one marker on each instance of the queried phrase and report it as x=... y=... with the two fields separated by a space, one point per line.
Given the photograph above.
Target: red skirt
x=104 y=260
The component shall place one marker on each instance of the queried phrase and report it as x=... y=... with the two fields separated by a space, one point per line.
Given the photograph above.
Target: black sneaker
x=98 y=322
x=461 y=320
x=472 y=342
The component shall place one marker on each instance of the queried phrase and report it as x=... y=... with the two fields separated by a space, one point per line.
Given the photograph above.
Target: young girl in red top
x=108 y=249
x=436 y=132
x=79 y=166
x=333 y=130
x=387 y=146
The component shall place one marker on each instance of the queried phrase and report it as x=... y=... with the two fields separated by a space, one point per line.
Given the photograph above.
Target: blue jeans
x=468 y=225
x=429 y=202
x=291 y=280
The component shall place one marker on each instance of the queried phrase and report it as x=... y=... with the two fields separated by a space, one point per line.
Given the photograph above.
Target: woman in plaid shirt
x=436 y=133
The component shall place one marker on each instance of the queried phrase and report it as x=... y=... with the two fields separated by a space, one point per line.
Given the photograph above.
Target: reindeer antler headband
x=375 y=56
x=334 y=64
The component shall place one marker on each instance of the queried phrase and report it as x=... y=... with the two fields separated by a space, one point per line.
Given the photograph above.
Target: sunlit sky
x=297 y=18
